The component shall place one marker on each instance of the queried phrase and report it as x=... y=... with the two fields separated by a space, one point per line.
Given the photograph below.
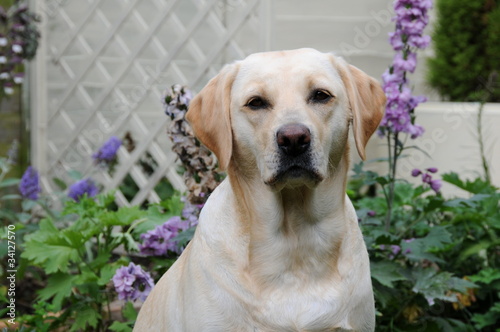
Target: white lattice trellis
x=101 y=70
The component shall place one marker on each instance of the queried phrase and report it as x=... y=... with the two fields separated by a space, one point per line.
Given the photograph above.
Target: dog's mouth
x=295 y=174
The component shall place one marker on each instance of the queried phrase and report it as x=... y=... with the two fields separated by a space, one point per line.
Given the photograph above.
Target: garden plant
x=435 y=261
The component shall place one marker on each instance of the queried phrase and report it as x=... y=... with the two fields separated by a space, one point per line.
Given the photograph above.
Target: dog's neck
x=292 y=231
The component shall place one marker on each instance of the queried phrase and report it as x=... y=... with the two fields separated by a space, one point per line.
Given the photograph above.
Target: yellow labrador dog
x=278 y=247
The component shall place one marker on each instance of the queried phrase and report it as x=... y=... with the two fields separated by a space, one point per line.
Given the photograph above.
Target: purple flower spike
x=78 y=189
x=132 y=283
x=30 y=184
x=107 y=152
x=411 y=19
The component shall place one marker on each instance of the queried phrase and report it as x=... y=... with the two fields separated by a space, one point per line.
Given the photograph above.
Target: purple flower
x=432 y=169
x=190 y=212
x=405 y=63
x=408 y=250
x=416 y=172
x=132 y=282
x=108 y=150
x=371 y=213
x=411 y=19
x=78 y=189
x=435 y=185
x=159 y=241
x=30 y=184
x=395 y=249
x=426 y=178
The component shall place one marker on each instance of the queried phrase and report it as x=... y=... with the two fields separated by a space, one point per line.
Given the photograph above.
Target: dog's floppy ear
x=209 y=115
x=366 y=99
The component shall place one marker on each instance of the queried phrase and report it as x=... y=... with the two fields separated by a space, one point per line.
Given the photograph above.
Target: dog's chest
x=305 y=308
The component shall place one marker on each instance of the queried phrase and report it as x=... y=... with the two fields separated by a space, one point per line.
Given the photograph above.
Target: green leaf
x=489 y=318
x=75 y=175
x=101 y=260
x=386 y=272
x=155 y=216
x=486 y=276
x=125 y=216
x=475 y=249
x=475 y=187
x=470 y=202
x=381 y=180
x=85 y=316
x=120 y=327
x=59 y=286
x=9 y=182
x=28 y=204
x=53 y=255
x=436 y=285
x=130 y=243
x=420 y=248
x=60 y=183
x=107 y=272
x=129 y=311
x=382 y=237
x=184 y=237
x=10 y=197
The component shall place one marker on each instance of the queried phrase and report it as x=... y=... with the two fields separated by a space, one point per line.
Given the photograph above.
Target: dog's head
x=284 y=116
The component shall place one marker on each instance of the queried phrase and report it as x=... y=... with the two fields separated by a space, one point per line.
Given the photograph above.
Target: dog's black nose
x=293 y=139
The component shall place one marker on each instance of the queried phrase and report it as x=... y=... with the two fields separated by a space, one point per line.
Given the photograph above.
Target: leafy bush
x=466 y=43
x=438 y=266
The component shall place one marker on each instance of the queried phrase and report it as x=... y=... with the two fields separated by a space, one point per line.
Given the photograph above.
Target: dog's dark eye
x=321 y=96
x=256 y=103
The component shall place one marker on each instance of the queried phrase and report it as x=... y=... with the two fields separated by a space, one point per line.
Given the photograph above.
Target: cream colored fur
x=275 y=253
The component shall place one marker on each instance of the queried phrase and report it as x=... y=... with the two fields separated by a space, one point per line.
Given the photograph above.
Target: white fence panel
x=102 y=68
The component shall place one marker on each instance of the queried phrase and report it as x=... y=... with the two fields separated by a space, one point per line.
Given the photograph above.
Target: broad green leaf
x=120 y=327
x=386 y=272
x=101 y=260
x=107 y=272
x=125 y=216
x=85 y=316
x=475 y=249
x=9 y=182
x=489 y=318
x=10 y=197
x=59 y=286
x=155 y=216
x=129 y=311
x=475 y=187
x=436 y=285
x=432 y=285
x=418 y=249
x=486 y=276
x=53 y=255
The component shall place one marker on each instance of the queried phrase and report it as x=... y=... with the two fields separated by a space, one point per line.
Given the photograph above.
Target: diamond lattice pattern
x=108 y=63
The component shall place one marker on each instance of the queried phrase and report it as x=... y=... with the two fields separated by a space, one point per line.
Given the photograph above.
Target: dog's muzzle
x=294 y=146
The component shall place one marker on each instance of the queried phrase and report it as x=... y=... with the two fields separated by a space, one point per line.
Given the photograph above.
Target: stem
x=486 y=168
x=393 y=160
x=388 y=197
